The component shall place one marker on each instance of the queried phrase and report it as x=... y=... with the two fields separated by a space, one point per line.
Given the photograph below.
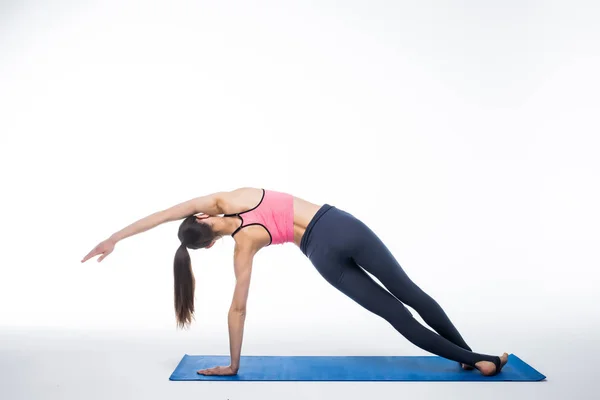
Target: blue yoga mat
x=348 y=368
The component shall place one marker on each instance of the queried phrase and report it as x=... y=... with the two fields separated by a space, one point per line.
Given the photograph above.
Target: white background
x=463 y=133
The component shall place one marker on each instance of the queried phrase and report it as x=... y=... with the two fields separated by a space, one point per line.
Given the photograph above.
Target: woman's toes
x=503 y=360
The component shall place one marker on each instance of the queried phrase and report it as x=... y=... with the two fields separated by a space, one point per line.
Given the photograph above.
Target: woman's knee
x=411 y=294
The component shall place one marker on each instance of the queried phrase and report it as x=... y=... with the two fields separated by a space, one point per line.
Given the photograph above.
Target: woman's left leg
x=353 y=281
x=334 y=240
x=375 y=258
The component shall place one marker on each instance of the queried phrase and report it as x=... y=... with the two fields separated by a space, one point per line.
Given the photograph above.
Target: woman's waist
x=331 y=229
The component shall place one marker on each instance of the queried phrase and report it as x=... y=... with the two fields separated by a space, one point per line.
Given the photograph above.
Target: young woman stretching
x=340 y=246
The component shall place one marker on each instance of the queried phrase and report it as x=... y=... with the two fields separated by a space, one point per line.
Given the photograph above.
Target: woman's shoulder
x=240 y=199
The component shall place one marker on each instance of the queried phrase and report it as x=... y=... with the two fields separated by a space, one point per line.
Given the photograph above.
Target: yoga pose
x=340 y=246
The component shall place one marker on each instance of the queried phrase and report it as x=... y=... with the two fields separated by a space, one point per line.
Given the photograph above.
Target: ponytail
x=184 y=287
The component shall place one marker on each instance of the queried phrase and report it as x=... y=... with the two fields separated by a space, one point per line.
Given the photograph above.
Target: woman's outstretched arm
x=209 y=204
x=205 y=204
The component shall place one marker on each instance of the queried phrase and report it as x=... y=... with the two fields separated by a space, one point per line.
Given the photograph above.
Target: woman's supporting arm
x=237 y=312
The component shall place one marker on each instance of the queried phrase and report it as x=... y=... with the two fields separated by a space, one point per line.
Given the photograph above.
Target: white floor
x=54 y=364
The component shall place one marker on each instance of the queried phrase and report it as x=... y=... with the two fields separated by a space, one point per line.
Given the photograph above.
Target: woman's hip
x=331 y=232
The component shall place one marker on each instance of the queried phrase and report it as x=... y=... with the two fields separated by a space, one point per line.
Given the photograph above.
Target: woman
x=339 y=245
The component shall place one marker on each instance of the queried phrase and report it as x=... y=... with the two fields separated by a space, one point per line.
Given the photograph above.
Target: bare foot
x=488 y=368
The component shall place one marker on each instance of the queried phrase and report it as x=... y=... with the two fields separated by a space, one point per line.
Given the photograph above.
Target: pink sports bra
x=274 y=212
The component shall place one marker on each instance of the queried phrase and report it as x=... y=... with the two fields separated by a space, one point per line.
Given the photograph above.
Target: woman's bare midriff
x=304 y=211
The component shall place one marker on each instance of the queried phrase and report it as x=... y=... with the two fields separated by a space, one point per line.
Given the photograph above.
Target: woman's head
x=194 y=233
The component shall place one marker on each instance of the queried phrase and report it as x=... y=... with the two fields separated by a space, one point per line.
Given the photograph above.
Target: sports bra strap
x=253 y=208
x=276 y=216
x=243 y=212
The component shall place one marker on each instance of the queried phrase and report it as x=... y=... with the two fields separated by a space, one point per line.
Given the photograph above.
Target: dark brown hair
x=194 y=235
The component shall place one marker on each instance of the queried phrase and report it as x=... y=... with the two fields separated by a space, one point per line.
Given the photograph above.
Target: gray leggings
x=338 y=245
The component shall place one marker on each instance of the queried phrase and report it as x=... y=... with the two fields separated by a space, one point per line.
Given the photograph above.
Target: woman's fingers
x=219 y=370
x=104 y=249
x=91 y=254
x=208 y=371
x=104 y=254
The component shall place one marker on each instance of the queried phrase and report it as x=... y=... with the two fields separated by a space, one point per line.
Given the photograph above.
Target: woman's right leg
x=354 y=282
x=331 y=241
x=372 y=255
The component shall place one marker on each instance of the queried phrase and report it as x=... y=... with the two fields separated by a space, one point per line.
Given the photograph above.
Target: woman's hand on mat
x=103 y=249
x=229 y=370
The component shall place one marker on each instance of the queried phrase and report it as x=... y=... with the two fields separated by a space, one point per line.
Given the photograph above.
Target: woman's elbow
x=238 y=309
